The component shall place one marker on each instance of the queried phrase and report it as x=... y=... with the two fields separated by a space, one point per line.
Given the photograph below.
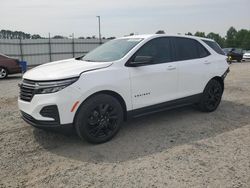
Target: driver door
x=157 y=81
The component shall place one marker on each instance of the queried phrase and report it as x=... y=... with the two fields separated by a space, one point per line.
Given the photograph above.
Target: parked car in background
x=8 y=66
x=234 y=54
x=246 y=56
x=126 y=77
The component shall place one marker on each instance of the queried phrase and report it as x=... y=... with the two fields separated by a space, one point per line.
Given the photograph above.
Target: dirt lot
x=178 y=148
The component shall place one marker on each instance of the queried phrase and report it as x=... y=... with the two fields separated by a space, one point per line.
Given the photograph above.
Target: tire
x=211 y=96
x=99 y=119
x=3 y=73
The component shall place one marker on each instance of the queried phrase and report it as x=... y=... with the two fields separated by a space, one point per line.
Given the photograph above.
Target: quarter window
x=214 y=46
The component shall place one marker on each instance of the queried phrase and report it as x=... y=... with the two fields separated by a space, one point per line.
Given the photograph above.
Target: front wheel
x=211 y=96
x=99 y=118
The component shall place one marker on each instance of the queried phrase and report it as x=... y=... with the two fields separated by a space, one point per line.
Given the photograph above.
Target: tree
x=58 y=37
x=240 y=37
x=200 y=34
x=231 y=36
x=246 y=42
x=189 y=33
x=36 y=36
x=160 y=32
x=7 y=34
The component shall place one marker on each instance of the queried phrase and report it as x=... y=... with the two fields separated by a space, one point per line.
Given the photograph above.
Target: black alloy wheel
x=102 y=121
x=211 y=96
x=99 y=118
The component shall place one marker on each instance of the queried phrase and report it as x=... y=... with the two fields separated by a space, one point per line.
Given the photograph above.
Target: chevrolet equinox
x=126 y=77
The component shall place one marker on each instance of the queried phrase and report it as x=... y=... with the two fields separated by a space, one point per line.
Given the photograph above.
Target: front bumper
x=63 y=128
x=246 y=59
x=38 y=123
x=50 y=110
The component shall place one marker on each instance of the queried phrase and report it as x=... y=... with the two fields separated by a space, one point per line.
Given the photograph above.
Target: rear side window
x=159 y=49
x=188 y=49
x=214 y=46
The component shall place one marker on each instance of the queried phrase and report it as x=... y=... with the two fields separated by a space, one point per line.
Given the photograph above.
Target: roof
x=145 y=36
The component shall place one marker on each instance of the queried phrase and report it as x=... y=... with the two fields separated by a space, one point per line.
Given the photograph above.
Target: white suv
x=123 y=78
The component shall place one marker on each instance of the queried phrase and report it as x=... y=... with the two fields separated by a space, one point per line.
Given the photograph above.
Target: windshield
x=112 y=50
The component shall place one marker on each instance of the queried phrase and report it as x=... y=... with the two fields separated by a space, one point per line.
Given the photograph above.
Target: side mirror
x=141 y=60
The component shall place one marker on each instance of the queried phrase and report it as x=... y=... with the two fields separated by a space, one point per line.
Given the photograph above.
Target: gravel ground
x=177 y=148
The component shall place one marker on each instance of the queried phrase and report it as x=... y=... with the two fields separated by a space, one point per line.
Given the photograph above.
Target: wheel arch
x=1 y=66
x=220 y=80
x=111 y=93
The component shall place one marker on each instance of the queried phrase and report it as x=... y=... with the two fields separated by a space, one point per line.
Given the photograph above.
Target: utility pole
x=99 y=22
x=50 y=55
x=73 y=44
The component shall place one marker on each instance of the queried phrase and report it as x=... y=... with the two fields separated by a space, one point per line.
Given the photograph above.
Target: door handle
x=170 y=67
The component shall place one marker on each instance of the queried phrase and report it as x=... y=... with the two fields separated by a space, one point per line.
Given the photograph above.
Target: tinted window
x=189 y=49
x=159 y=49
x=214 y=46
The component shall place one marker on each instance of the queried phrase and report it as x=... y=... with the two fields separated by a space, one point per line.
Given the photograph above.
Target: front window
x=159 y=49
x=112 y=50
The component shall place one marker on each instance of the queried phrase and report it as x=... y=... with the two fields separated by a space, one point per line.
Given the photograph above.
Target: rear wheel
x=211 y=96
x=99 y=118
x=3 y=73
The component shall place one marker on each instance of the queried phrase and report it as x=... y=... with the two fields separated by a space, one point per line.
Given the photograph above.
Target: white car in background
x=246 y=56
x=126 y=77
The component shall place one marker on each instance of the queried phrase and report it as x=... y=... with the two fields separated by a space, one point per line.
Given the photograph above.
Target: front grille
x=27 y=90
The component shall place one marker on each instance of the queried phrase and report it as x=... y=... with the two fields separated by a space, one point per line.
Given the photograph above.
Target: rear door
x=194 y=65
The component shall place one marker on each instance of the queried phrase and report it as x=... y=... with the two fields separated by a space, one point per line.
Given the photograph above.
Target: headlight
x=53 y=86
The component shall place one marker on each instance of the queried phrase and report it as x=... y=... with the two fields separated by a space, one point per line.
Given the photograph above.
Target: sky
x=119 y=18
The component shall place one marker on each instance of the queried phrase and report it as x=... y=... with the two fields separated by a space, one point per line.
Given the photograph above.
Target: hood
x=63 y=69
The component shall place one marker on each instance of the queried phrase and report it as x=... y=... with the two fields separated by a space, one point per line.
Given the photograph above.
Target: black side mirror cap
x=141 y=60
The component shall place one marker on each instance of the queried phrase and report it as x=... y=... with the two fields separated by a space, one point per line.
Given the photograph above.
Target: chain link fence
x=39 y=51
